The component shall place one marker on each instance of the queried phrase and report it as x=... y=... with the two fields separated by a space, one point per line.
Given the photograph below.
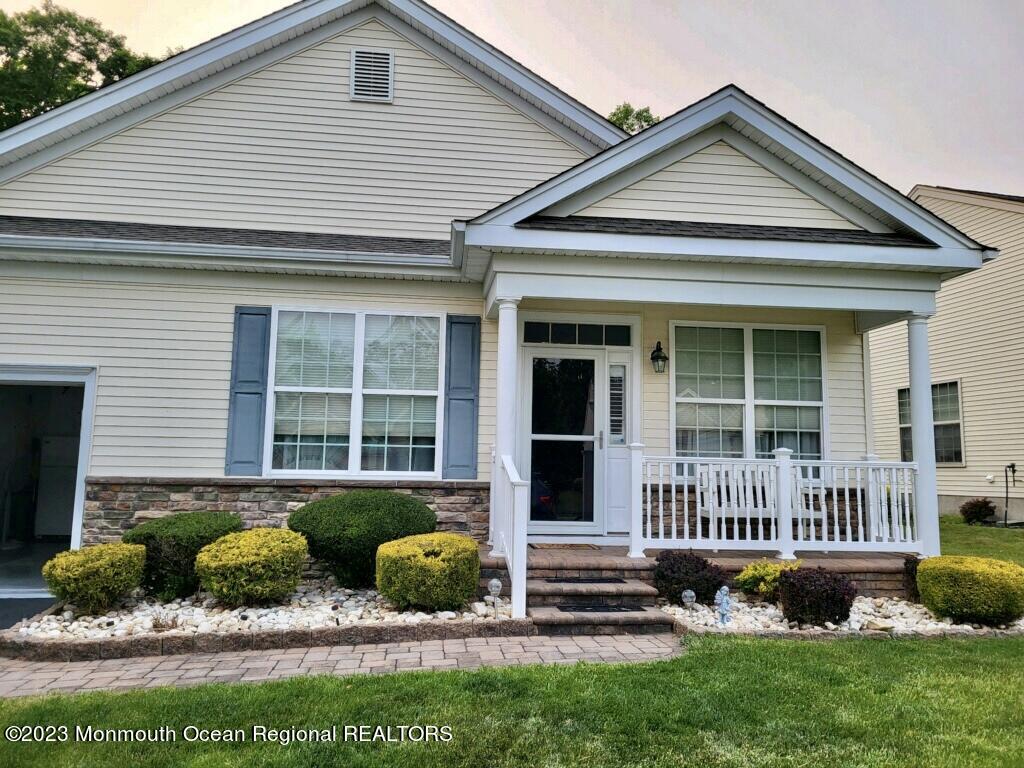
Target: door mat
x=565 y=546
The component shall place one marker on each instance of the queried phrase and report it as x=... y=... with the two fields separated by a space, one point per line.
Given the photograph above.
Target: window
x=572 y=333
x=747 y=391
x=344 y=406
x=617 y=404
x=788 y=392
x=946 y=414
x=372 y=75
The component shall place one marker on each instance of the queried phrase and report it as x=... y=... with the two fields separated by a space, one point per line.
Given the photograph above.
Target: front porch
x=593 y=589
x=596 y=444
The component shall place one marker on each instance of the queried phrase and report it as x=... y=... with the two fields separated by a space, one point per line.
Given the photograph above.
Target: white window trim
x=352 y=75
x=357 y=392
x=900 y=426
x=750 y=401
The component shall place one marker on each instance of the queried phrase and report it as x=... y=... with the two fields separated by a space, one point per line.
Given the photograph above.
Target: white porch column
x=922 y=431
x=507 y=401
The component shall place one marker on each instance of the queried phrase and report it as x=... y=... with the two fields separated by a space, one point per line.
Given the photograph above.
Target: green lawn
x=726 y=702
x=958 y=538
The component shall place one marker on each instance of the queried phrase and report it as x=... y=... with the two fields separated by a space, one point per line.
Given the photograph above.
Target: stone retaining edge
x=171 y=643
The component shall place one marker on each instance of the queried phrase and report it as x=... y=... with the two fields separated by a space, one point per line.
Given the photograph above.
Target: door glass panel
x=617 y=405
x=563 y=396
x=562 y=480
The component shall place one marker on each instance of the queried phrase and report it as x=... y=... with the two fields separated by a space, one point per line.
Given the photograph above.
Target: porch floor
x=616 y=558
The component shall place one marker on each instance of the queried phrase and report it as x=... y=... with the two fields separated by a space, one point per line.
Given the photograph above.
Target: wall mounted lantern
x=658 y=358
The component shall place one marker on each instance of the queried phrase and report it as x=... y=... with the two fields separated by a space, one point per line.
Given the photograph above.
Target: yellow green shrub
x=92 y=579
x=261 y=565
x=975 y=590
x=434 y=571
x=761 y=577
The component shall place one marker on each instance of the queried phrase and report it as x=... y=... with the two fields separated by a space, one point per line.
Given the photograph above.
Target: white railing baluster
x=733 y=497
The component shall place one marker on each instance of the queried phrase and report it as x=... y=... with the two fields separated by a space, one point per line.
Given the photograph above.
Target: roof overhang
x=182 y=255
x=206 y=65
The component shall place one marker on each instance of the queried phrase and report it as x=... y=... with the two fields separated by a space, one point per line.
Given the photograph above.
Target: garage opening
x=41 y=426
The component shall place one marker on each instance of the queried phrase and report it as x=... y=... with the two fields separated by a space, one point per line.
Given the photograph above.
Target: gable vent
x=372 y=76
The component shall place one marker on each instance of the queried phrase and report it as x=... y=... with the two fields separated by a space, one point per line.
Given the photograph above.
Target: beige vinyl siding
x=844 y=360
x=976 y=337
x=285 y=148
x=718 y=184
x=162 y=339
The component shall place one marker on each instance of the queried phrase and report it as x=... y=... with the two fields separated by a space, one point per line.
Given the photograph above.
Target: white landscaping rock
x=316 y=604
x=881 y=614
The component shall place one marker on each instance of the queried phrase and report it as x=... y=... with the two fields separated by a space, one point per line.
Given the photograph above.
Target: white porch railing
x=773 y=504
x=513 y=501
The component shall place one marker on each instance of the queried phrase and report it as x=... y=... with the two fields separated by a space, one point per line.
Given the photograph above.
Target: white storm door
x=566 y=422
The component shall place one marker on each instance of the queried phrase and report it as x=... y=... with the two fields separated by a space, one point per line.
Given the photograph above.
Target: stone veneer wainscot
x=115 y=504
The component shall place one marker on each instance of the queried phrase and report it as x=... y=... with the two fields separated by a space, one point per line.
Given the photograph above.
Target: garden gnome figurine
x=724 y=604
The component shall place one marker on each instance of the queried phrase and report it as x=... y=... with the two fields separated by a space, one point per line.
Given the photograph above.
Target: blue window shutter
x=461 y=398
x=247 y=407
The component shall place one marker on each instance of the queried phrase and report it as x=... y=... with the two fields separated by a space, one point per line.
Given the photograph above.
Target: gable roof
x=850 y=189
x=248 y=42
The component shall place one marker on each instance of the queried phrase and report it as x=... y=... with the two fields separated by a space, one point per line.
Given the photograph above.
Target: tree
x=632 y=120
x=50 y=55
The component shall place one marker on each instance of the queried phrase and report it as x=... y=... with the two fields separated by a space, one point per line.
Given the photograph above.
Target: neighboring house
x=353 y=244
x=977 y=360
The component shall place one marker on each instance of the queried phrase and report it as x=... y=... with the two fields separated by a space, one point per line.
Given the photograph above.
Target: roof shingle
x=30 y=226
x=623 y=226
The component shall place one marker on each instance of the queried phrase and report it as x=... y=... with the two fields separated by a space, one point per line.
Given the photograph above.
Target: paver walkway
x=24 y=678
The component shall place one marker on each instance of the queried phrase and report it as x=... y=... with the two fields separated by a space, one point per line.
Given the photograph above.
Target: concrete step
x=551 y=620
x=623 y=592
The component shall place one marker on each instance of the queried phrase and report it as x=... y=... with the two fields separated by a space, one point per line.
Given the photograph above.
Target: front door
x=566 y=411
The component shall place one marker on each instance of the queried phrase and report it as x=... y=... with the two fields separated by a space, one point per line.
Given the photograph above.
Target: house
x=352 y=244
x=976 y=345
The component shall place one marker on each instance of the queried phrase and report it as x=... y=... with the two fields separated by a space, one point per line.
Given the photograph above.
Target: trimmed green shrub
x=260 y=565
x=977 y=510
x=975 y=590
x=172 y=544
x=760 y=578
x=815 y=595
x=675 y=571
x=344 y=531
x=910 y=564
x=92 y=579
x=433 y=571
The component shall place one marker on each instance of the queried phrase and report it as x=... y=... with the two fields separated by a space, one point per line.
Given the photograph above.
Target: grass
x=958 y=538
x=726 y=702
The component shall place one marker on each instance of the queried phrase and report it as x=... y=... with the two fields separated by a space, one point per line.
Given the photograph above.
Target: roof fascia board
x=699 y=141
x=164 y=74
x=945 y=259
x=979 y=199
x=587 y=128
x=652 y=141
x=271 y=56
x=515 y=73
x=861 y=183
x=207 y=84
x=488 y=83
x=634 y=173
x=703 y=114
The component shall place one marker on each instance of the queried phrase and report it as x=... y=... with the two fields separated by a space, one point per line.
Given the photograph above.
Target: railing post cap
x=783 y=452
x=636 y=446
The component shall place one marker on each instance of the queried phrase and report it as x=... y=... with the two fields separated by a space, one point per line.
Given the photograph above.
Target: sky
x=914 y=91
